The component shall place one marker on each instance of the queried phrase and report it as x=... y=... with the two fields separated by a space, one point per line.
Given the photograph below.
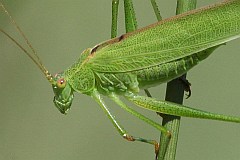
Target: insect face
x=63 y=93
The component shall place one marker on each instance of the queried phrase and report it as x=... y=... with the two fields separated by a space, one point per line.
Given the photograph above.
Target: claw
x=128 y=137
x=187 y=86
x=156 y=150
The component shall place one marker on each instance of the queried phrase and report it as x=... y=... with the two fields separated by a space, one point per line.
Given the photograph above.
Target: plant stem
x=174 y=93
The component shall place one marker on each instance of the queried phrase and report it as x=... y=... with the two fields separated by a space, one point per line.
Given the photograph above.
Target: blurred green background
x=31 y=128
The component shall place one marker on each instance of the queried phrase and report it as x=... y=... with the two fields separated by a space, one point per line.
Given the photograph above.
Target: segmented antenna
x=34 y=57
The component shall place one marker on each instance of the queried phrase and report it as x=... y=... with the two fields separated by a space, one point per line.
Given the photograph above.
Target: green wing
x=169 y=40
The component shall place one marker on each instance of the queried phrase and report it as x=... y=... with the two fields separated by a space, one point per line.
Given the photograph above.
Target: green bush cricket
x=122 y=79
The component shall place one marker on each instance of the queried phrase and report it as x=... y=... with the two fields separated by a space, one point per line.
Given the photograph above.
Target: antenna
x=33 y=55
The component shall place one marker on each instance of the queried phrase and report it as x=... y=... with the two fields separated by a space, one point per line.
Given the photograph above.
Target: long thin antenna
x=33 y=57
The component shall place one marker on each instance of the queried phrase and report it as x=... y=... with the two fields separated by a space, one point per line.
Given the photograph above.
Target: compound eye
x=61 y=83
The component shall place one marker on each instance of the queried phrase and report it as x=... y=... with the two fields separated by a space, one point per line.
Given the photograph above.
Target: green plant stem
x=174 y=93
x=115 y=4
x=156 y=10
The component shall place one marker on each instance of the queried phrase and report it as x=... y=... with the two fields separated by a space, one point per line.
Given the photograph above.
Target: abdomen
x=162 y=73
x=148 y=77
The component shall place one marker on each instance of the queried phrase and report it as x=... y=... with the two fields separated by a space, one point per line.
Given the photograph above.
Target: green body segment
x=177 y=110
x=148 y=77
x=162 y=73
x=81 y=78
x=168 y=40
x=165 y=72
